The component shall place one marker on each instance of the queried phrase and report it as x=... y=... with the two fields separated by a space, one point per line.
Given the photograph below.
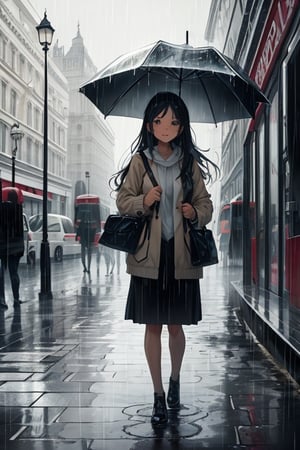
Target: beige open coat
x=145 y=262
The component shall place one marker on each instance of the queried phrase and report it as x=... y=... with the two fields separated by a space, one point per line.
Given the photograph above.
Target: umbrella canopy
x=214 y=87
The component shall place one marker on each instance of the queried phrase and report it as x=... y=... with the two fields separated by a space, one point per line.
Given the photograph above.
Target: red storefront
x=33 y=197
x=272 y=180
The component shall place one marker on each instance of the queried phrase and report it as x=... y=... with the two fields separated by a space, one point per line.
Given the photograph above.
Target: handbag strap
x=188 y=194
x=148 y=169
x=151 y=176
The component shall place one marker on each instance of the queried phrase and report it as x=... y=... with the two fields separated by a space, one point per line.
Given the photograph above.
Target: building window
x=51 y=161
x=20 y=150
x=274 y=197
x=29 y=151
x=36 y=154
x=29 y=69
x=21 y=66
x=37 y=119
x=40 y=156
x=13 y=103
x=29 y=114
x=53 y=131
x=3 y=132
x=13 y=58
x=3 y=46
x=62 y=140
x=261 y=204
x=37 y=85
x=61 y=166
x=3 y=95
x=58 y=134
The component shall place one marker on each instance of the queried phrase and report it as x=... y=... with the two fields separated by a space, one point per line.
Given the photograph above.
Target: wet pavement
x=73 y=376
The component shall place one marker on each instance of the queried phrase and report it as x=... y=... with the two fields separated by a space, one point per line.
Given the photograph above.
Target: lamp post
x=87 y=176
x=45 y=34
x=16 y=135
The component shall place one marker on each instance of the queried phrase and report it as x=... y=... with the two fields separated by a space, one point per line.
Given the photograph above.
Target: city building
x=90 y=139
x=261 y=166
x=22 y=103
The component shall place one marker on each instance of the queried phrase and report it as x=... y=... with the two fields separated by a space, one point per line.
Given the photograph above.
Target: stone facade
x=90 y=139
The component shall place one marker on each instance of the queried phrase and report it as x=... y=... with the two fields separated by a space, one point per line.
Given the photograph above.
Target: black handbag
x=203 y=248
x=124 y=232
x=128 y=233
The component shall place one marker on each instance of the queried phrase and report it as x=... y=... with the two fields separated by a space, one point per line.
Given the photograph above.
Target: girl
x=164 y=286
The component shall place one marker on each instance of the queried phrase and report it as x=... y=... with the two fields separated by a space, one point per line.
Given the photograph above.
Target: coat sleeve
x=130 y=196
x=201 y=200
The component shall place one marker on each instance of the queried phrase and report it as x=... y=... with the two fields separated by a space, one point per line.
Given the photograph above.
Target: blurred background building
x=90 y=160
x=80 y=143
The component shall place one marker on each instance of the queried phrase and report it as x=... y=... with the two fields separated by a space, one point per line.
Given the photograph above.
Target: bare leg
x=107 y=260
x=153 y=354
x=118 y=262
x=177 y=348
x=13 y=264
x=83 y=257
x=2 y=285
x=89 y=257
x=98 y=256
x=112 y=261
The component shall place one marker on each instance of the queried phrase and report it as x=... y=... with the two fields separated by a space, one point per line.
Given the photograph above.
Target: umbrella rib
x=208 y=99
x=123 y=94
x=180 y=81
x=167 y=70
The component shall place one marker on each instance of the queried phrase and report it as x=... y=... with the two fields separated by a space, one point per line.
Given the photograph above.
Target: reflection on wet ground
x=73 y=376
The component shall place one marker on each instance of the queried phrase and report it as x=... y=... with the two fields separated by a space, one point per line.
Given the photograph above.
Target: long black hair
x=159 y=104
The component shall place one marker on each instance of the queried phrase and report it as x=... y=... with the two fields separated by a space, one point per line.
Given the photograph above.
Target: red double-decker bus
x=87 y=212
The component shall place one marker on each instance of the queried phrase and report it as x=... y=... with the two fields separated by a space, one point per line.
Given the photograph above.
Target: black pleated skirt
x=165 y=300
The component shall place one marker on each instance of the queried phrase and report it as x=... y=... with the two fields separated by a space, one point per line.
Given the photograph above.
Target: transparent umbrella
x=214 y=87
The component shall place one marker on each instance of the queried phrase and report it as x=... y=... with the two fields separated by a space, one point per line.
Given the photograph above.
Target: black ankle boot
x=160 y=412
x=173 y=397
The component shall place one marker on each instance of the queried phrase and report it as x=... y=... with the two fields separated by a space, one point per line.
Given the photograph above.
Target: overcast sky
x=111 y=28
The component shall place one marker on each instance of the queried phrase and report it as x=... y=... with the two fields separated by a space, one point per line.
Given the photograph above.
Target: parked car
x=30 y=245
x=61 y=235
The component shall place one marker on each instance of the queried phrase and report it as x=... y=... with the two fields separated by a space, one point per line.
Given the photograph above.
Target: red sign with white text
x=276 y=27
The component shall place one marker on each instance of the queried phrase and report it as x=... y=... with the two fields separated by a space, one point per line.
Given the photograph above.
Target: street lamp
x=45 y=33
x=87 y=176
x=16 y=135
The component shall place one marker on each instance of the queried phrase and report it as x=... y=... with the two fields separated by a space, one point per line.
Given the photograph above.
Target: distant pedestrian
x=164 y=286
x=11 y=242
x=87 y=224
x=86 y=231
